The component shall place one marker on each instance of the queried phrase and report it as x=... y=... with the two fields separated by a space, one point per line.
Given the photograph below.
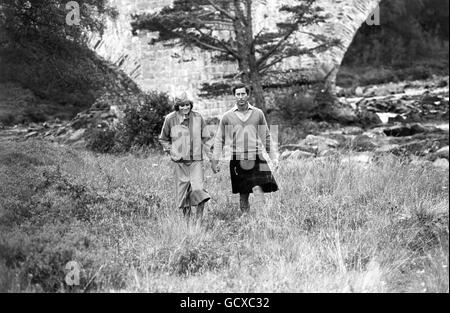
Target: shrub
x=143 y=121
x=139 y=128
x=294 y=107
x=101 y=140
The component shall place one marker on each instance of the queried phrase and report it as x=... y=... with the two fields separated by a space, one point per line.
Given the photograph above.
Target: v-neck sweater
x=247 y=138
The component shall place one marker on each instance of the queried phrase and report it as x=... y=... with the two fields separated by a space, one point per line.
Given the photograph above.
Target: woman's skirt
x=189 y=184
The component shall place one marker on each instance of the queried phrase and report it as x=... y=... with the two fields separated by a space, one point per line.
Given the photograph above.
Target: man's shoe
x=260 y=198
x=244 y=203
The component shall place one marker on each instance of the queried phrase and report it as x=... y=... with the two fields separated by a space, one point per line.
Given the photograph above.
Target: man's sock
x=244 y=204
x=260 y=198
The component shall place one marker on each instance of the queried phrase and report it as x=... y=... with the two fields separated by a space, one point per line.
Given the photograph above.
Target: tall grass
x=334 y=226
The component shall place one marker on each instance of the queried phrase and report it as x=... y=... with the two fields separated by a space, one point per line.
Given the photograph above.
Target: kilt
x=246 y=174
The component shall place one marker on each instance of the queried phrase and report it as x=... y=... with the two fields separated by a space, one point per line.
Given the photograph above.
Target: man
x=245 y=129
x=183 y=137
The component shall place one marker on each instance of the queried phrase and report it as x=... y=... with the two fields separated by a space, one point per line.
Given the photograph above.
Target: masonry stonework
x=173 y=69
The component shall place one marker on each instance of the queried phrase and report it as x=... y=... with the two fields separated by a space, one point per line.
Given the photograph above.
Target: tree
x=22 y=22
x=200 y=23
x=42 y=52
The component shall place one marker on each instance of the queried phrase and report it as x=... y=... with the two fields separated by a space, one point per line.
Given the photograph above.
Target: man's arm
x=164 y=137
x=266 y=138
x=206 y=139
x=219 y=140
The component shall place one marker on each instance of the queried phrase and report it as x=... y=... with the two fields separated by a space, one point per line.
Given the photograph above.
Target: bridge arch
x=173 y=69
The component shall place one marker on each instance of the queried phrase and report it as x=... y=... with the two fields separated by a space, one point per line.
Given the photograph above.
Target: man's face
x=241 y=97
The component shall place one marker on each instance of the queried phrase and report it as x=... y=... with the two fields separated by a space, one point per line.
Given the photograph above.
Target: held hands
x=174 y=156
x=215 y=166
x=275 y=164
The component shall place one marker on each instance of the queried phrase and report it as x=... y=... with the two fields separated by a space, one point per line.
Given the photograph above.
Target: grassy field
x=333 y=227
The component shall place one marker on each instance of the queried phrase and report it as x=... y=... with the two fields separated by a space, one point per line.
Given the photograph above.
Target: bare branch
x=188 y=36
x=300 y=52
x=288 y=34
x=268 y=54
x=220 y=43
x=224 y=12
x=267 y=66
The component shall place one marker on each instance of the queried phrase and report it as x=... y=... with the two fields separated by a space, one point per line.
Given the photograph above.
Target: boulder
x=285 y=155
x=302 y=147
x=80 y=121
x=368 y=118
x=359 y=91
x=107 y=115
x=405 y=130
x=312 y=140
x=396 y=119
x=418 y=128
x=375 y=133
x=387 y=149
x=363 y=143
x=358 y=158
x=344 y=115
x=443 y=153
x=420 y=162
x=441 y=163
x=61 y=131
x=343 y=140
x=352 y=130
x=298 y=155
x=31 y=134
x=80 y=144
x=327 y=153
x=77 y=135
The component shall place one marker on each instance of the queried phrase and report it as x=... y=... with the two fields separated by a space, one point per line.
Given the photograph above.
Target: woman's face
x=185 y=108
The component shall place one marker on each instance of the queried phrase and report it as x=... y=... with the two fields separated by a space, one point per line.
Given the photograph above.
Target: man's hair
x=179 y=102
x=239 y=86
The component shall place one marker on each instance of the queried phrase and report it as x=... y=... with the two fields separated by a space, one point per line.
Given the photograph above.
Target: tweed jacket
x=185 y=141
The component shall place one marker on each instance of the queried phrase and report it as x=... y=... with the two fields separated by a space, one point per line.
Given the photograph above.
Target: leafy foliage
x=24 y=21
x=42 y=53
x=142 y=124
x=139 y=128
x=411 y=32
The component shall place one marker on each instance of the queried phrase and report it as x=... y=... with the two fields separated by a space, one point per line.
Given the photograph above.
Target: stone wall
x=174 y=69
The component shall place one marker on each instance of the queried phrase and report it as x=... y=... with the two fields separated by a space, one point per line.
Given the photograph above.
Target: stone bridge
x=174 y=69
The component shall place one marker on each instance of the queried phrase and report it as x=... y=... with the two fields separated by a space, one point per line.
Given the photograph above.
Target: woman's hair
x=239 y=86
x=179 y=102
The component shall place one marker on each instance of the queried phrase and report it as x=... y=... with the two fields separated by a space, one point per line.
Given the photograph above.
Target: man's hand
x=174 y=156
x=215 y=166
x=275 y=164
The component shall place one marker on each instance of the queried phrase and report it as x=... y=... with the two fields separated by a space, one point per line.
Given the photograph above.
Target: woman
x=184 y=137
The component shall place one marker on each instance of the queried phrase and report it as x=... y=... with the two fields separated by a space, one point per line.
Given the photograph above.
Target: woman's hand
x=215 y=166
x=174 y=157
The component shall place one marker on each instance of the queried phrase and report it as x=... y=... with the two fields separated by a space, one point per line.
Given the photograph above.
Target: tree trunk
x=253 y=79
x=258 y=92
x=243 y=30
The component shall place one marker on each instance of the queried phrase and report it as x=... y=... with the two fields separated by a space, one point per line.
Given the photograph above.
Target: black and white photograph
x=224 y=151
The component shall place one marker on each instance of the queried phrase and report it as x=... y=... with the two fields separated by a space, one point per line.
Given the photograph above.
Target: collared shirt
x=243 y=116
x=244 y=137
x=185 y=137
x=183 y=119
